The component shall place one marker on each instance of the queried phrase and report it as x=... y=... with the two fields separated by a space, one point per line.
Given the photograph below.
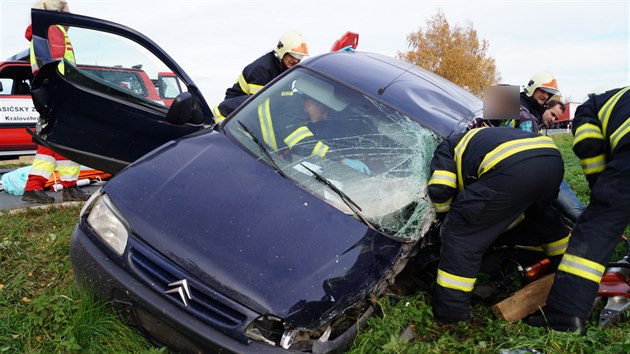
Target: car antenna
x=382 y=89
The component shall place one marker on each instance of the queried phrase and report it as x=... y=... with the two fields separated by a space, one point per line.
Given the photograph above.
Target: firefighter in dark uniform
x=602 y=143
x=491 y=186
x=289 y=51
x=297 y=122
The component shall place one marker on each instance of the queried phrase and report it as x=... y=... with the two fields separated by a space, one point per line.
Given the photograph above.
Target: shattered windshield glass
x=362 y=157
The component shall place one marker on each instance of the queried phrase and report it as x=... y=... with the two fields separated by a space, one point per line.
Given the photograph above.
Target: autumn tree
x=454 y=52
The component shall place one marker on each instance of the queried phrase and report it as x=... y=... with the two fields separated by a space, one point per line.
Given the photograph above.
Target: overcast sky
x=585 y=43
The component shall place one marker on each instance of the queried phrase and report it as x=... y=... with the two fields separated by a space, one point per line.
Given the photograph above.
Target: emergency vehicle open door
x=104 y=111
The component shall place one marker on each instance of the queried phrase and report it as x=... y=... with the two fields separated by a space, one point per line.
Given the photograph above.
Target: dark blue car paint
x=245 y=230
x=431 y=100
x=152 y=312
x=139 y=132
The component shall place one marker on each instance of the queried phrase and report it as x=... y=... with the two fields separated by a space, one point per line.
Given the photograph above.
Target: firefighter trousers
x=594 y=238
x=481 y=213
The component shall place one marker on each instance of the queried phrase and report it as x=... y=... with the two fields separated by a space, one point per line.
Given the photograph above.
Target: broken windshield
x=377 y=156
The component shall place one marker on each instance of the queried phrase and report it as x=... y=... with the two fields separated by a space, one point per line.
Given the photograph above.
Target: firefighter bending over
x=483 y=183
x=289 y=51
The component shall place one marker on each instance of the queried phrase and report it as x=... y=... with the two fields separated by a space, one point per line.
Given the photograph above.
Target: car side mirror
x=184 y=109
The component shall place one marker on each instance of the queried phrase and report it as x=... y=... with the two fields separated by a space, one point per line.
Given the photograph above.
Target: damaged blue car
x=269 y=232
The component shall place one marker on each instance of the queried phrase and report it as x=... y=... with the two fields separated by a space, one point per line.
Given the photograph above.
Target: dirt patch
x=23 y=160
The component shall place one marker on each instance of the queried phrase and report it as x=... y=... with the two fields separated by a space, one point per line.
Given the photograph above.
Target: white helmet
x=293 y=43
x=545 y=81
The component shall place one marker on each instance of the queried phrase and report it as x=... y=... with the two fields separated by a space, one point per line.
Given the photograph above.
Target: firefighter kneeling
x=491 y=186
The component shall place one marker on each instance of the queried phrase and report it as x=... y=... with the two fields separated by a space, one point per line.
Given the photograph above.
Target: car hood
x=234 y=224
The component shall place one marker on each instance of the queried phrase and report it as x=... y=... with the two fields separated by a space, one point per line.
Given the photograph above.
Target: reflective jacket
x=600 y=129
x=291 y=129
x=59 y=46
x=464 y=158
x=255 y=75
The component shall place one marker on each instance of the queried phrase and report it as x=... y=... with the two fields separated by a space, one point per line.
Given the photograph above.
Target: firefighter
x=540 y=89
x=486 y=182
x=601 y=128
x=46 y=160
x=289 y=51
x=295 y=121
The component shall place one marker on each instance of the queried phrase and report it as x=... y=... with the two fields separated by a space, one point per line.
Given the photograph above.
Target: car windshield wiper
x=262 y=149
x=356 y=209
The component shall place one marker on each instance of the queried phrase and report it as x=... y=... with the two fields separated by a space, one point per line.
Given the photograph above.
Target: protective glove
x=357 y=165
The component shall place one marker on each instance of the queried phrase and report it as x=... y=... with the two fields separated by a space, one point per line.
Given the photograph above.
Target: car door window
x=114 y=65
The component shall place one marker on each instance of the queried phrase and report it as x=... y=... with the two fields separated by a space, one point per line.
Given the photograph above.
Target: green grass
x=486 y=334
x=41 y=310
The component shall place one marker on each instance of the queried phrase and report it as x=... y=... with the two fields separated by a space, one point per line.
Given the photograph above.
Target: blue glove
x=357 y=165
x=347 y=48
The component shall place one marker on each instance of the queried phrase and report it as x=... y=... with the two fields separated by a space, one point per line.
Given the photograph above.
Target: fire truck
x=569 y=112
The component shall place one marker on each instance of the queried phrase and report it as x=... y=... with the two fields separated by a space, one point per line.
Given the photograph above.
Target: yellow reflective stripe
x=587 y=131
x=530 y=248
x=320 y=149
x=443 y=207
x=459 y=153
x=70 y=172
x=243 y=84
x=218 y=117
x=557 y=248
x=68 y=53
x=581 y=267
x=253 y=88
x=510 y=148
x=593 y=164
x=456 y=282
x=444 y=177
x=249 y=89
x=515 y=223
x=298 y=135
x=34 y=66
x=607 y=108
x=266 y=124
x=42 y=168
x=619 y=133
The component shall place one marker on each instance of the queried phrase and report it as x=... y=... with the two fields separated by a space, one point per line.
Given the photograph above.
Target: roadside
x=9 y=201
x=23 y=160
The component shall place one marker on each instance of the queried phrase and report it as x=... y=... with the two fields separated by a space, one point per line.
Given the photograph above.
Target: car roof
x=430 y=99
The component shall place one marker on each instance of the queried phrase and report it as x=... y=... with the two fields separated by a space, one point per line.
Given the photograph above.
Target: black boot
x=37 y=196
x=74 y=194
x=558 y=321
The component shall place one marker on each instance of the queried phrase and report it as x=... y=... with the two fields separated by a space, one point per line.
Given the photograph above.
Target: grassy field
x=41 y=311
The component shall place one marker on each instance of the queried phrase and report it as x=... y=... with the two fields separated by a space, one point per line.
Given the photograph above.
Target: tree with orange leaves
x=454 y=52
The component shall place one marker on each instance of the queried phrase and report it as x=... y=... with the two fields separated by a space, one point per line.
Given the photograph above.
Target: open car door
x=108 y=118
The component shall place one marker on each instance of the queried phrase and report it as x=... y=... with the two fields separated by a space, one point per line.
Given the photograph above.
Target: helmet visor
x=296 y=56
x=550 y=90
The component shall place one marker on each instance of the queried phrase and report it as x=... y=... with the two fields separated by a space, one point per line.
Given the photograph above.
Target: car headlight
x=108 y=224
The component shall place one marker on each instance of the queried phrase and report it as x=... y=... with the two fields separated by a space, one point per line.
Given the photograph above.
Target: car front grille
x=205 y=303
